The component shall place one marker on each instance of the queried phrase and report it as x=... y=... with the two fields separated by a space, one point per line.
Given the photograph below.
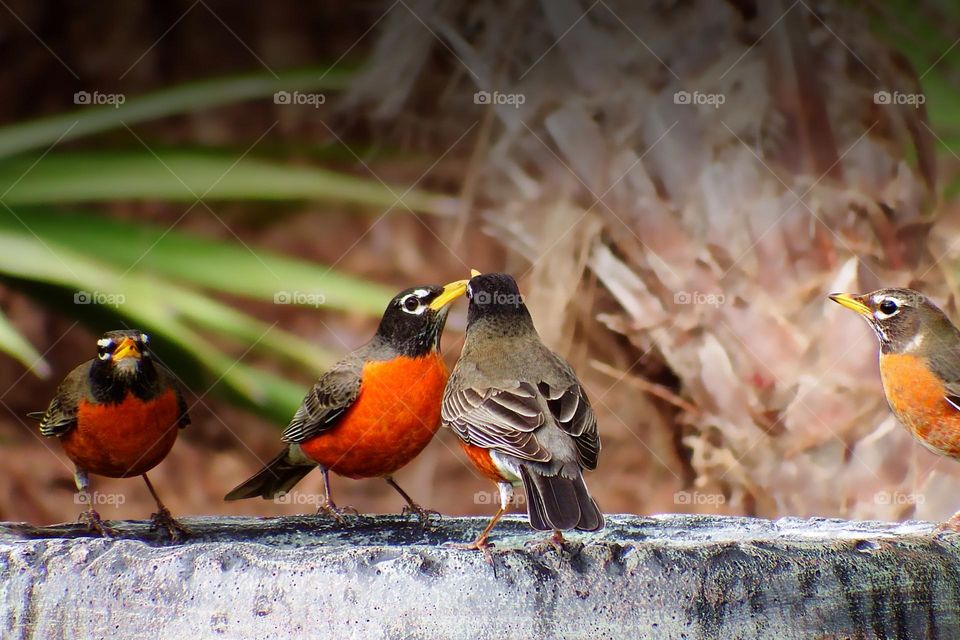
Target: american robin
x=521 y=414
x=372 y=412
x=118 y=416
x=919 y=366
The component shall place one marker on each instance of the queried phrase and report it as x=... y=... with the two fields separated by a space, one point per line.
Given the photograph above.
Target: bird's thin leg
x=482 y=543
x=412 y=507
x=162 y=519
x=89 y=517
x=328 y=506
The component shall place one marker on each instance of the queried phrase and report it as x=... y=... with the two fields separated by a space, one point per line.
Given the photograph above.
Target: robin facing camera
x=118 y=416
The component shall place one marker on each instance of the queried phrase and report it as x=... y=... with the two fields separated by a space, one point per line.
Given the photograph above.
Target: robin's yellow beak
x=851 y=302
x=126 y=349
x=450 y=292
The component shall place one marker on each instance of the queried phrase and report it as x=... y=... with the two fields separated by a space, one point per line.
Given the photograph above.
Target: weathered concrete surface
x=663 y=577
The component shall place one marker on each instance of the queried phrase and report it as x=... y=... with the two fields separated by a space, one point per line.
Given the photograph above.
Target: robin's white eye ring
x=411 y=304
x=105 y=355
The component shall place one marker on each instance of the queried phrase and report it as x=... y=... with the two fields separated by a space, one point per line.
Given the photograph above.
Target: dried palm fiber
x=704 y=236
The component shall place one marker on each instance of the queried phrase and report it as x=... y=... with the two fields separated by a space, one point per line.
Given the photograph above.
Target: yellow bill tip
x=126 y=349
x=851 y=302
x=451 y=291
x=474 y=273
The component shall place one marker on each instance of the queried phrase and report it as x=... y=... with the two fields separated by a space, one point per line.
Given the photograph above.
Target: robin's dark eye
x=411 y=303
x=888 y=307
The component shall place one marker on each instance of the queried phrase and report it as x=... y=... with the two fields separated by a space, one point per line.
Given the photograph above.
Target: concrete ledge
x=384 y=577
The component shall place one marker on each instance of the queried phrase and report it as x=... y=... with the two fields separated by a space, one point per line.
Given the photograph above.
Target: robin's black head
x=904 y=320
x=495 y=296
x=123 y=363
x=414 y=319
x=123 y=352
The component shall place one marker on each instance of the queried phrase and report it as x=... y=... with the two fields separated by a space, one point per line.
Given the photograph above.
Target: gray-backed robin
x=521 y=413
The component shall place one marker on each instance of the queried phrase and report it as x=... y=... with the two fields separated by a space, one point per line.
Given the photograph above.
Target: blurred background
x=676 y=186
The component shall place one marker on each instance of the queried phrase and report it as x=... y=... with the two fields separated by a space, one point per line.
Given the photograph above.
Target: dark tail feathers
x=278 y=476
x=556 y=502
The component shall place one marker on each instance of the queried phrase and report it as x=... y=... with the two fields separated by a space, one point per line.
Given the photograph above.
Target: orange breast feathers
x=395 y=416
x=917 y=397
x=481 y=459
x=123 y=439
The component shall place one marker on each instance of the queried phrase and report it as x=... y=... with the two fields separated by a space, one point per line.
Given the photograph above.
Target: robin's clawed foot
x=163 y=520
x=480 y=544
x=555 y=542
x=93 y=522
x=331 y=510
x=423 y=515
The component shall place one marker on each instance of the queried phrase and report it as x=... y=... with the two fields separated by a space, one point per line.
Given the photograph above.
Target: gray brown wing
x=61 y=414
x=945 y=363
x=501 y=419
x=507 y=419
x=326 y=402
x=572 y=411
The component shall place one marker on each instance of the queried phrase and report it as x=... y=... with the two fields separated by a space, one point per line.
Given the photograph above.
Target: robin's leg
x=328 y=507
x=89 y=517
x=412 y=507
x=482 y=543
x=162 y=518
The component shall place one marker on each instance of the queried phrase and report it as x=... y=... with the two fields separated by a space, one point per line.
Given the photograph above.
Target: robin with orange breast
x=372 y=412
x=521 y=414
x=118 y=416
x=919 y=366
